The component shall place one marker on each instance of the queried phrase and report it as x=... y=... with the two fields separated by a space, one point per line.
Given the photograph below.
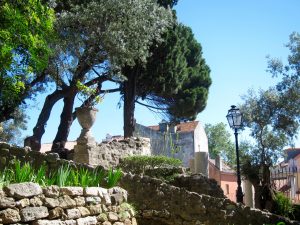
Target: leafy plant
x=88 y=95
x=113 y=177
x=284 y=205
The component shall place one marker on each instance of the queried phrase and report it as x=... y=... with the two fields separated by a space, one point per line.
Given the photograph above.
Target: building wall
x=200 y=139
x=227 y=181
x=178 y=145
x=229 y=185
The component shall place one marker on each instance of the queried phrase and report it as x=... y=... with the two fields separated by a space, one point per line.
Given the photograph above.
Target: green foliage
x=262 y=114
x=138 y=164
x=63 y=176
x=26 y=29
x=113 y=177
x=289 y=87
x=11 y=129
x=219 y=142
x=284 y=206
x=66 y=175
x=87 y=92
x=178 y=87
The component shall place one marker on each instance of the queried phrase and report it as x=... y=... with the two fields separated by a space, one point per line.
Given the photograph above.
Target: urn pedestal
x=86 y=144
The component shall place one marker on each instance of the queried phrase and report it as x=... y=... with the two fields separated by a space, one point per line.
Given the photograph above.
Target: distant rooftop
x=292 y=153
x=181 y=127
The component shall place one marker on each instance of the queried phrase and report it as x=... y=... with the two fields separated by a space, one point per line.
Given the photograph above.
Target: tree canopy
x=96 y=38
x=26 y=28
x=219 y=142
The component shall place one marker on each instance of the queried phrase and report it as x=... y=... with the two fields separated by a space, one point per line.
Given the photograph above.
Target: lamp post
x=234 y=117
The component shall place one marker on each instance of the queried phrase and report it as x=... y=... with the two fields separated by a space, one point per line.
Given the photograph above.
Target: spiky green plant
x=62 y=176
x=40 y=175
x=113 y=177
x=23 y=173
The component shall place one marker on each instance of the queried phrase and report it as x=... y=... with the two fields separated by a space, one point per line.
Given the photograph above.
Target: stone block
x=93 y=200
x=23 y=203
x=95 y=209
x=71 y=191
x=23 y=190
x=106 y=199
x=51 y=191
x=91 y=191
x=48 y=222
x=73 y=213
x=112 y=217
x=36 y=201
x=84 y=211
x=9 y=216
x=33 y=213
x=106 y=223
x=70 y=222
x=51 y=202
x=66 y=202
x=6 y=202
x=117 y=199
x=56 y=213
x=102 y=217
x=80 y=201
x=90 y=220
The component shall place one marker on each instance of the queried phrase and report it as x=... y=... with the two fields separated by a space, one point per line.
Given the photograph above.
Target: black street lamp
x=234 y=117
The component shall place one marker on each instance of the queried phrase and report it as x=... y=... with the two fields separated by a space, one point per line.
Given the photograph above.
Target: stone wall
x=108 y=154
x=28 y=203
x=199 y=184
x=160 y=203
x=36 y=159
x=104 y=155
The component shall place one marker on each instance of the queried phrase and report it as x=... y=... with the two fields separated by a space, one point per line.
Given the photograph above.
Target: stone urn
x=86 y=117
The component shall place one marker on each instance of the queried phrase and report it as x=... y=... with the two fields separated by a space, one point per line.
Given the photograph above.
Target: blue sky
x=236 y=36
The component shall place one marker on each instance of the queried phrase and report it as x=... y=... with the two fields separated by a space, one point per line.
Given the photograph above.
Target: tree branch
x=152 y=107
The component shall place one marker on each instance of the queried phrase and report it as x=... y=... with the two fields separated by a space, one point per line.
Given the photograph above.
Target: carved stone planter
x=83 y=150
x=86 y=116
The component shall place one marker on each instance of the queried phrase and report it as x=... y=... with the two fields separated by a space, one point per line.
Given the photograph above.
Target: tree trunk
x=34 y=141
x=66 y=120
x=129 y=102
x=264 y=194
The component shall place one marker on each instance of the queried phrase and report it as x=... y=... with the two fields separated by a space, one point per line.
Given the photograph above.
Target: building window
x=227 y=189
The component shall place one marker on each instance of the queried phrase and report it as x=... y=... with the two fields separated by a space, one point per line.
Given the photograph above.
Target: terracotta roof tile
x=181 y=127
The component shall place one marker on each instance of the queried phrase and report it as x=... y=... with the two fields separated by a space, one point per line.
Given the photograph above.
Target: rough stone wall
x=105 y=155
x=164 y=204
x=109 y=154
x=36 y=159
x=161 y=143
x=28 y=203
x=199 y=184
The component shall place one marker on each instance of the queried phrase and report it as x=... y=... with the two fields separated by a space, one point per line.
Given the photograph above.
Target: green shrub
x=138 y=164
x=284 y=206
